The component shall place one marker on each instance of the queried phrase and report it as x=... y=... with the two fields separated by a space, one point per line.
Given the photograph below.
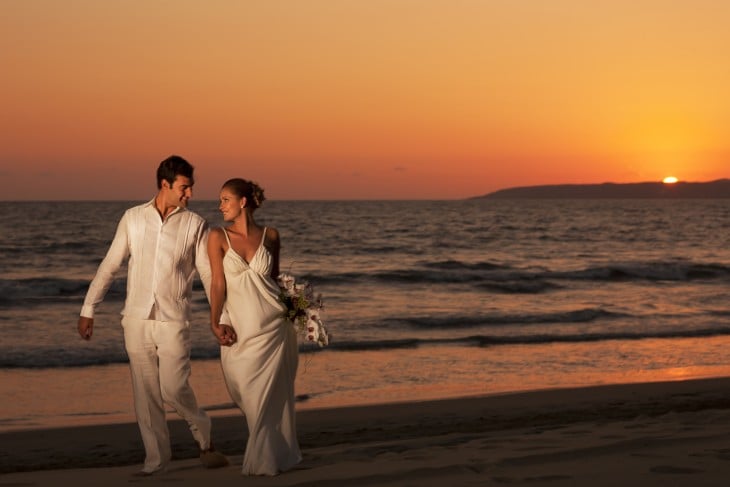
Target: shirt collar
x=151 y=205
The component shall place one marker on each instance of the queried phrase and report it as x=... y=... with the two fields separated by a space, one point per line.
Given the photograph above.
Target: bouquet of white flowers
x=303 y=309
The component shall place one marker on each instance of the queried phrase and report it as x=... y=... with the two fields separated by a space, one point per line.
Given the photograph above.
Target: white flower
x=303 y=309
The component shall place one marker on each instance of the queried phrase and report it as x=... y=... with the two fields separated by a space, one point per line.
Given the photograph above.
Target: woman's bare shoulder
x=272 y=236
x=216 y=232
x=216 y=235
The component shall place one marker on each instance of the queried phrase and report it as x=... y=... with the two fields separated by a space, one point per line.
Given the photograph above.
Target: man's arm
x=105 y=274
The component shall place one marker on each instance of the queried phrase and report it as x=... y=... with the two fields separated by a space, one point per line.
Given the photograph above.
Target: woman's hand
x=225 y=334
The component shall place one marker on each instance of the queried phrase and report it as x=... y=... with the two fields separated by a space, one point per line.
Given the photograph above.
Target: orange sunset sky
x=368 y=99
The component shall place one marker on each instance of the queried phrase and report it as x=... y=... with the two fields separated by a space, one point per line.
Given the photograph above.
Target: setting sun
x=669 y=180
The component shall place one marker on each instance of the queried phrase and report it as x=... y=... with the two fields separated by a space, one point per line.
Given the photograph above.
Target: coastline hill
x=647 y=190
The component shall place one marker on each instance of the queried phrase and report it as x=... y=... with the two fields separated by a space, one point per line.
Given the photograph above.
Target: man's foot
x=211 y=458
x=149 y=473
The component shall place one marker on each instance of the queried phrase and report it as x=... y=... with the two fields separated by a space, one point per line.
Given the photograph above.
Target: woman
x=259 y=352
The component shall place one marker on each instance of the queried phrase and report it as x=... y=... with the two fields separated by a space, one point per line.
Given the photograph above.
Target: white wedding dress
x=261 y=366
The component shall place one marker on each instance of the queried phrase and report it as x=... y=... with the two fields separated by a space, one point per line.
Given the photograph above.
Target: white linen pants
x=159 y=360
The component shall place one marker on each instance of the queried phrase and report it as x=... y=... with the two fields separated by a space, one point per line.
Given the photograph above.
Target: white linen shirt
x=163 y=257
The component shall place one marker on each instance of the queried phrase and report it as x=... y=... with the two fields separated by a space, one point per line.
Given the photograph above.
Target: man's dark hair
x=171 y=167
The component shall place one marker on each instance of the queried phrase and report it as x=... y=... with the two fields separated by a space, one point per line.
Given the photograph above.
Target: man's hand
x=86 y=327
x=225 y=334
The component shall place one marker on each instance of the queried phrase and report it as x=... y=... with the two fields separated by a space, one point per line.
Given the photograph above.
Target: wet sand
x=667 y=433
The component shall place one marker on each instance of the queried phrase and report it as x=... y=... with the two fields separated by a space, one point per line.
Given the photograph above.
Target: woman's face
x=230 y=205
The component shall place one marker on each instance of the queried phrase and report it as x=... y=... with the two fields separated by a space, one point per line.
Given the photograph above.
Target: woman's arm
x=274 y=245
x=216 y=250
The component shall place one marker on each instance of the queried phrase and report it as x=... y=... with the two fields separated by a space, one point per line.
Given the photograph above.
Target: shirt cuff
x=87 y=311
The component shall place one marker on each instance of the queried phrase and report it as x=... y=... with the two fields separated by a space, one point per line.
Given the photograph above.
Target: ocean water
x=423 y=299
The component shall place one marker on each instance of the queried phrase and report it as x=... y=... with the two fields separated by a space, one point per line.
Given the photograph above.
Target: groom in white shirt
x=165 y=244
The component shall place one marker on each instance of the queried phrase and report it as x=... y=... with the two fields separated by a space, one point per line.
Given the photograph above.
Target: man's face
x=180 y=192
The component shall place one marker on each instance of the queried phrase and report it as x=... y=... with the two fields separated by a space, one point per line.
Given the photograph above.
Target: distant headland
x=647 y=190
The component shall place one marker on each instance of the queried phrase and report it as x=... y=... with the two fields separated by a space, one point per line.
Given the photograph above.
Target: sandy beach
x=667 y=433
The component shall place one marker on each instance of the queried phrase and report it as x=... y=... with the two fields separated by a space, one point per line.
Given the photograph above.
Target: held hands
x=225 y=334
x=86 y=327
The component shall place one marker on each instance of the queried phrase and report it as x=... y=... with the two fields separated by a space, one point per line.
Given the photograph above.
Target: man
x=164 y=244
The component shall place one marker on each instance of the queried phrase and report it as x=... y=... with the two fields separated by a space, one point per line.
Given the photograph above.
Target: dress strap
x=263 y=237
x=225 y=232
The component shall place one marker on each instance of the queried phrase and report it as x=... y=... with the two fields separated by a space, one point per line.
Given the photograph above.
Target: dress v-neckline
x=231 y=249
x=256 y=252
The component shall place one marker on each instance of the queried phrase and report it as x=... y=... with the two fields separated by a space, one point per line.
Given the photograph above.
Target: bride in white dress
x=259 y=351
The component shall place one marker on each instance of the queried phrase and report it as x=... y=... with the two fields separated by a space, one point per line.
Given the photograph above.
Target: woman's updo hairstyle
x=242 y=188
